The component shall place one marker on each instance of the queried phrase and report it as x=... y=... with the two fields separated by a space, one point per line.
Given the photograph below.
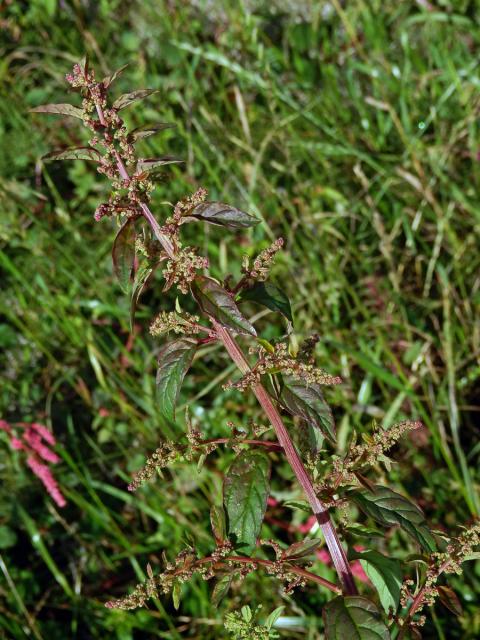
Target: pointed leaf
x=176 y=594
x=74 y=153
x=148 y=130
x=385 y=574
x=301 y=549
x=218 y=303
x=107 y=81
x=390 y=508
x=223 y=215
x=307 y=401
x=353 y=617
x=123 y=253
x=174 y=361
x=221 y=588
x=127 y=99
x=219 y=527
x=245 y=493
x=142 y=276
x=60 y=109
x=273 y=617
x=269 y=296
x=151 y=164
x=450 y=600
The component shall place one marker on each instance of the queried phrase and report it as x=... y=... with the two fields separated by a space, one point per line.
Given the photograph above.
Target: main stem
x=335 y=548
x=337 y=552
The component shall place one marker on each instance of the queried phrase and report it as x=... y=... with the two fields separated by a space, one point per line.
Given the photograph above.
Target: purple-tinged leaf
x=353 y=617
x=245 y=494
x=307 y=402
x=224 y=215
x=174 y=361
x=269 y=296
x=301 y=549
x=142 y=276
x=127 y=99
x=60 y=109
x=221 y=588
x=151 y=164
x=450 y=600
x=74 y=153
x=390 y=508
x=219 y=527
x=107 y=81
x=123 y=253
x=217 y=302
x=148 y=130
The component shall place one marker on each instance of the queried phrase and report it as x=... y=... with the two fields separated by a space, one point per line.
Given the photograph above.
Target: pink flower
x=34 y=441
x=45 y=475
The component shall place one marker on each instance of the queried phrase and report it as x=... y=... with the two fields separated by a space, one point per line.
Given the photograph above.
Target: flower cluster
x=167 y=321
x=110 y=133
x=181 y=269
x=35 y=441
x=448 y=562
x=364 y=455
x=262 y=263
x=184 y=206
x=281 y=360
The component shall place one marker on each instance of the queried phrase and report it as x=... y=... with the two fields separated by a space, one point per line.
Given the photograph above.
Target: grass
x=352 y=130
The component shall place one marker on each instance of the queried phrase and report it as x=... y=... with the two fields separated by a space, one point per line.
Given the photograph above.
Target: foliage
x=386 y=274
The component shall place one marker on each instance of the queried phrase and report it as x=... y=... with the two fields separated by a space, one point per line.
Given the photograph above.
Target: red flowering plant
x=35 y=441
x=288 y=385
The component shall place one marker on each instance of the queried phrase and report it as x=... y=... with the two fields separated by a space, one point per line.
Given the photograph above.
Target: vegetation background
x=351 y=129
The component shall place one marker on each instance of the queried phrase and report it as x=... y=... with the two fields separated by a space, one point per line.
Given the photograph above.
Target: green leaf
x=107 y=81
x=307 y=402
x=353 y=618
x=123 y=253
x=217 y=302
x=221 y=588
x=174 y=361
x=269 y=296
x=301 y=549
x=245 y=493
x=219 y=527
x=384 y=573
x=59 y=109
x=142 y=276
x=273 y=617
x=390 y=508
x=148 y=130
x=223 y=215
x=176 y=594
x=74 y=153
x=152 y=164
x=127 y=99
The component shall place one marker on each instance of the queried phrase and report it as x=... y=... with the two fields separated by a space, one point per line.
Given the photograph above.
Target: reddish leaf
x=107 y=81
x=148 y=130
x=123 y=253
x=127 y=99
x=74 y=153
x=61 y=109
x=449 y=599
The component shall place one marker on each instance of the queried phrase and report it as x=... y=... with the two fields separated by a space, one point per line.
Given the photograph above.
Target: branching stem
x=335 y=548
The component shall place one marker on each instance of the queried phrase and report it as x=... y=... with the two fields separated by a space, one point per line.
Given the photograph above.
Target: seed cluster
x=365 y=455
x=167 y=321
x=281 y=360
x=110 y=133
x=262 y=263
x=448 y=562
x=181 y=269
